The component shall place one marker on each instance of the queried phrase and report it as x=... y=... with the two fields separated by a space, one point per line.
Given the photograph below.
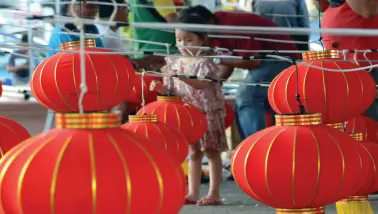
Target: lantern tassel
x=354 y=205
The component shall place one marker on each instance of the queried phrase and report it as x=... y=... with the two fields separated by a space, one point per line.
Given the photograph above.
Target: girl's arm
x=366 y=8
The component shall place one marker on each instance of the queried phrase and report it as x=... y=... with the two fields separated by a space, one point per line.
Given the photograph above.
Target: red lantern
x=169 y=139
x=297 y=165
x=134 y=98
x=337 y=95
x=358 y=203
x=229 y=119
x=12 y=134
x=365 y=125
x=176 y=114
x=372 y=148
x=56 y=81
x=90 y=165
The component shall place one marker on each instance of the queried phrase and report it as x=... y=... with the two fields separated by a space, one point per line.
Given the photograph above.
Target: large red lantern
x=169 y=139
x=229 y=119
x=176 y=114
x=12 y=134
x=337 y=95
x=90 y=165
x=56 y=81
x=365 y=125
x=297 y=166
x=141 y=92
x=372 y=148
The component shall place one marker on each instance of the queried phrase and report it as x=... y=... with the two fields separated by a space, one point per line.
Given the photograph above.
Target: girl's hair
x=187 y=17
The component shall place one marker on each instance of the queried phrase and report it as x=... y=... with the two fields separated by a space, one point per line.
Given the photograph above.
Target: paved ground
x=236 y=202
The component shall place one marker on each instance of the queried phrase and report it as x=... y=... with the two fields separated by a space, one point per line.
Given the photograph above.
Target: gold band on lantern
x=319 y=210
x=147 y=118
x=88 y=43
x=357 y=136
x=338 y=126
x=87 y=121
x=357 y=199
x=299 y=120
x=315 y=55
x=169 y=99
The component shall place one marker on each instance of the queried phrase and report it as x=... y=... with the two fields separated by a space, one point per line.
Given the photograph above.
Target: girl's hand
x=158 y=86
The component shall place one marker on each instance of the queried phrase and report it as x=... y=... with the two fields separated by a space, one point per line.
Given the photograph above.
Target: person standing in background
x=83 y=10
x=285 y=13
x=153 y=11
x=111 y=38
x=361 y=14
x=19 y=65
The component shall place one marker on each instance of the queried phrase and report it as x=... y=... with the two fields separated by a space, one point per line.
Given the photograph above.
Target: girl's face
x=185 y=38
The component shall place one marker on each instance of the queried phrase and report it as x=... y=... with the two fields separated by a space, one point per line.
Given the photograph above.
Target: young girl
x=206 y=96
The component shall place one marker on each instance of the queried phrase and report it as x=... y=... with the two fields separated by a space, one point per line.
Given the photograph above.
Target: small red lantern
x=165 y=137
x=134 y=98
x=365 y=125
x=56 y=81
x=89 y=165
x=12 y=134
x=176 y=114
x=229 y=119
x=337 y=95
x=298 y=165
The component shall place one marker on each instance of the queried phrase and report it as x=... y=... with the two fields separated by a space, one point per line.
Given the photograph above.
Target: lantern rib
x=304 y=87
x=273 y=94
x=362 y=89
x=25 y=168
x=41 y=85
x=267 y=163
x=126 y=171
x=93 y=172
x=286 y=89
x=246 y=159
x=294 y=165
x=179 y=119
x=342 y=159
x=146 y=129
x=55 y=173
x=18 y=149
x=325 y=92
x=56 y=82
x=165 y=140
x=13 y=131
x=319 y=167
x=156 y=169
x=374 y=166
x=74 y=77
x=32 y=81
x=116 y=75
x=96 y=77
x=347 y=90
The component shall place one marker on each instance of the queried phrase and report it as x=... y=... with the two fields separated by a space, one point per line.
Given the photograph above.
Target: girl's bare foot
x=209 y=201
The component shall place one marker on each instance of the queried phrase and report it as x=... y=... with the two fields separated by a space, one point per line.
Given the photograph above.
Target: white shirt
x=109 y=40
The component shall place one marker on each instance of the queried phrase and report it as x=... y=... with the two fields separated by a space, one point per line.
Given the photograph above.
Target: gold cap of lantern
x=88 y=43
x=316 y=55
x=299 y=120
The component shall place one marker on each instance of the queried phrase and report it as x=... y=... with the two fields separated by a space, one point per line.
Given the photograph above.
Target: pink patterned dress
x=209 y=100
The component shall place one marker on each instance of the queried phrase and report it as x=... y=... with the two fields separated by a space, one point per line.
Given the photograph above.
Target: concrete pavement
x=236 y=202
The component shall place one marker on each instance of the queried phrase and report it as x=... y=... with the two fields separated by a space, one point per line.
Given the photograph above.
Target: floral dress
x=209 y=100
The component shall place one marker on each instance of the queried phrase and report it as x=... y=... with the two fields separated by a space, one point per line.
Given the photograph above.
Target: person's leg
x=250 y=111
x=195 y=173
x=215 y=171
x=250 y=100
